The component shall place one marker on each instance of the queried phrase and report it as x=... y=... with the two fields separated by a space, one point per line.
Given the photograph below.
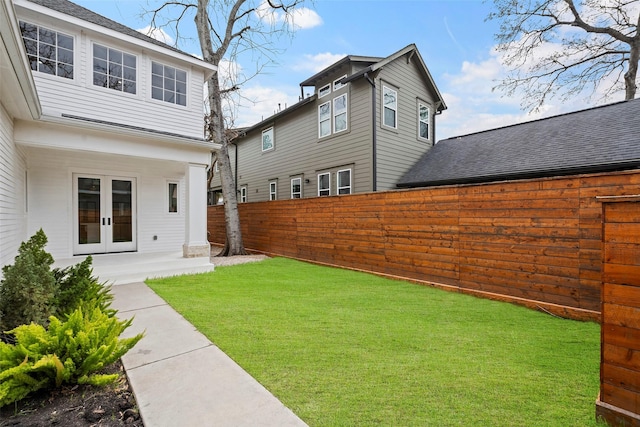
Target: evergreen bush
x=28 y=287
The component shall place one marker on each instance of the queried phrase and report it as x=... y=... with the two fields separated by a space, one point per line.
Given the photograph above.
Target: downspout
x=235 y=179
x=373 y=131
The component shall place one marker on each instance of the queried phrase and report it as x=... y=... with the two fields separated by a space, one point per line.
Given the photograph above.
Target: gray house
x=365 y=122
x=600 y=139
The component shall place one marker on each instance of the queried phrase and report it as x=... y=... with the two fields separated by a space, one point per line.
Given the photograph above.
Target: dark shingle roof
x=72 y=9
x=599 y=139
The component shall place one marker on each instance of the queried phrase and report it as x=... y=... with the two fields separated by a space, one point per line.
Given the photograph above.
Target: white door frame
x=100 y=232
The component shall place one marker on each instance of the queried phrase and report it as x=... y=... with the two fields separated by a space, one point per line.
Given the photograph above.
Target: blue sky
x=452 y=36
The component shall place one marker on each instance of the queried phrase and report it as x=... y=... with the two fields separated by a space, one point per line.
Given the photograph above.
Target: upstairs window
x=48 y=51
x=268 y=142
x=324 y=184
x=423 y=121
x=324 y=119
x=114 y=69
x=390 y=107
x=344 y=181
x=324 y=91
x=340 y=113
x=336 y=83
x=296 y=188
x=168 y=84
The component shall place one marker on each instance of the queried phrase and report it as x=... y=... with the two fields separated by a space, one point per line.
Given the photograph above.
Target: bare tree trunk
x=630 y=75
x=234 y=244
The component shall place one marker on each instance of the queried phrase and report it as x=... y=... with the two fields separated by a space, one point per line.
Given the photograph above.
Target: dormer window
x=49 y=51
x=168 y=84
x=114 y=69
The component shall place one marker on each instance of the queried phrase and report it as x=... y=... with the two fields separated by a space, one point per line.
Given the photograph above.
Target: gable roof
x=374 y=64
x=599 y=139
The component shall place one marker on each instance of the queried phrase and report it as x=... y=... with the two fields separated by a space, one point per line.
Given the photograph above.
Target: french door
x=105 y=214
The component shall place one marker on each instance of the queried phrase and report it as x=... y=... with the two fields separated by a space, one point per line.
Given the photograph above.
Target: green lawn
x=342 y=348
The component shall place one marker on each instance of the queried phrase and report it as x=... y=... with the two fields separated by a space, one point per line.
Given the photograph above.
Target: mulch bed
x=77 y=406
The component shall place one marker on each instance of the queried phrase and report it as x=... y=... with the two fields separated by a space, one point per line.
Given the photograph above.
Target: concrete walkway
x=181 y=379
x=178 y=376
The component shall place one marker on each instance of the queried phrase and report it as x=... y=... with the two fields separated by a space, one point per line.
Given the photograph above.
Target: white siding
x=79 y=97
x=51 y=198
x=13 y=223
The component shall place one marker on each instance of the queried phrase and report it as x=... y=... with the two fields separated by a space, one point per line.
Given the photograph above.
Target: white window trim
x=292 y=192
x=273 y=139
x=423 y=104
x=395 y=126
x=339 y=187
x=328 y=119
x=168 y=187
x=76 y=68
x=273 y=190
x=108 y=89
x=326 y=89
x=243 y=194
x=336 y=83
x=346 y=113
x=324 y=189
x=150 y=88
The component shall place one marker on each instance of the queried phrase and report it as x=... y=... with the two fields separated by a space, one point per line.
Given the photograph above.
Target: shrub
x=76 y=287
x=67 y=352
x=28 y=287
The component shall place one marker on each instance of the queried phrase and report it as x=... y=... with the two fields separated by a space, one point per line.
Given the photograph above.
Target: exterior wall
x=399 y=149
x=79 y=97
x=534 y=242
x=50 y=174
x=300 y=152
x=13 y=216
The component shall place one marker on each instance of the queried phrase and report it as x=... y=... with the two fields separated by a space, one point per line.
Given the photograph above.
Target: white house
x=101 y=135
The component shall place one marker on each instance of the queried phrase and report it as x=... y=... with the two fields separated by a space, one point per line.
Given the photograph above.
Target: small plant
x=28 y=287
x=67 y=352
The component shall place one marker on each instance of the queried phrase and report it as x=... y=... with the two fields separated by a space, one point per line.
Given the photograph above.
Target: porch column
x=195 y=239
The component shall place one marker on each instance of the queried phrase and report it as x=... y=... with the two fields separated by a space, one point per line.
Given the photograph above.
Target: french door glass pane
x=88 y=210
x=121 y=211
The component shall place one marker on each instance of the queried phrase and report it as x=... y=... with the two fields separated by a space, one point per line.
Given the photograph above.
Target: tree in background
x=567 y=47
x=226 y=30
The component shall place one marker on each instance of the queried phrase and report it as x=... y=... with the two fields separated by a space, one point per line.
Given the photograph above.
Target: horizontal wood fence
x=534 y=242
x=619 y=400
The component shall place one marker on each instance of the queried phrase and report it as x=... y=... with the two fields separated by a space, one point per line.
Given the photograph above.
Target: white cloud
x=317 y=62
x=158 y=34
x=261 y=102
x=297 y=19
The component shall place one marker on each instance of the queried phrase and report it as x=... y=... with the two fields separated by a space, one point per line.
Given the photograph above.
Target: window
x=243 y=194
x=324 y=119
x=48 y=51
x=267 y=139
x=390 y=107
x=324 y=91
x=340 y=113
x=423 y=121
x=344 y=181
x=173 y=197
x=296 y=188
x=336 y=83
x=324 y=184
x=273 y=190
x=114 y=69
x=168 y=84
